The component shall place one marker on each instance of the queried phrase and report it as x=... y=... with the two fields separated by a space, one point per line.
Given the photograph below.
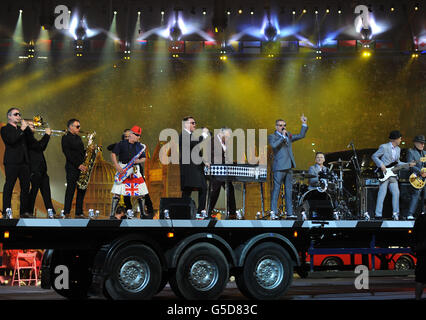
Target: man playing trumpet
x=16 y=160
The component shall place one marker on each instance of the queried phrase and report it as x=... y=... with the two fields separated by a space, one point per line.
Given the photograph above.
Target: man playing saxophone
x=73 y=149
x=129 y=180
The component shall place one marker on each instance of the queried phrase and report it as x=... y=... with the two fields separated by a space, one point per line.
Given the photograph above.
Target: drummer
x=318 y=169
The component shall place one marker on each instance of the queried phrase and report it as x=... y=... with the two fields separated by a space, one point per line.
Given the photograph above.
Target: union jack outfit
x=135 y=184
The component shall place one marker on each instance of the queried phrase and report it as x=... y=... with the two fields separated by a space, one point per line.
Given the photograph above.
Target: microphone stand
x=358 y=176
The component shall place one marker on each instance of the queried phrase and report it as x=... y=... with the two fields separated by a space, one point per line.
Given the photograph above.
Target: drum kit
x=327 y=200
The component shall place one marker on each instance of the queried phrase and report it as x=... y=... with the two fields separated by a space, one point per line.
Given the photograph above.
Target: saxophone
x=89 y=161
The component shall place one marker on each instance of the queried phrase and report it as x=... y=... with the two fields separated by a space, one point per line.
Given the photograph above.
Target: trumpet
x=40 y=126
x=54 y=132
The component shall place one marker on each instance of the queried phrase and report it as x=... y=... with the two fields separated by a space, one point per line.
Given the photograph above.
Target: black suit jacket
x=16 y=151
x=73 y=149
x=36 y=149
x=191 y=174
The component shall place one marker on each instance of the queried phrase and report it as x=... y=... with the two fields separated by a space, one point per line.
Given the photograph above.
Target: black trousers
x=40 y=181
x=14 y=172
x=215 y=187
x=72 y=178
x=202 y=196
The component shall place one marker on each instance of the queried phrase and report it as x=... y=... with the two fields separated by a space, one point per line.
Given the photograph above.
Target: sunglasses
x=16 y=114
x=78 y=126
x=281 y=125
x=193 y=122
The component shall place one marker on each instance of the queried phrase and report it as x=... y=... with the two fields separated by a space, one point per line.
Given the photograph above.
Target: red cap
x=137 y=130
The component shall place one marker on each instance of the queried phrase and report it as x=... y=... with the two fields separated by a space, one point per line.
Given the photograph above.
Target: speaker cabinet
x=179 y=208
x=369 y=198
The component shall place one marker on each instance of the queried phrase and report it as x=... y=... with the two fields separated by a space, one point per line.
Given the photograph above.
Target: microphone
x=350 y=144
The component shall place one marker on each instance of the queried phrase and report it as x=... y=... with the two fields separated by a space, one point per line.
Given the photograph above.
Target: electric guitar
x=417 y=182
x=392 y=169
x=120 y=177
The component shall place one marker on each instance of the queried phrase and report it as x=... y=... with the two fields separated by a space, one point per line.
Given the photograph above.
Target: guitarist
x=122 y=153
x=415 y=154
x=387 y=154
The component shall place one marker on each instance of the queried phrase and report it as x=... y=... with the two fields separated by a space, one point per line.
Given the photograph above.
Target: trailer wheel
x=267 y=272
x=202 y=272
x=135 y=274
x=404 y=263
x=332 y=263
x=74 y=281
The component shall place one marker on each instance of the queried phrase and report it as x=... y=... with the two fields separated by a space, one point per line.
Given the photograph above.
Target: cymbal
x=300 y=171
x=338 y=169
x=303 y=174
x=339 y=162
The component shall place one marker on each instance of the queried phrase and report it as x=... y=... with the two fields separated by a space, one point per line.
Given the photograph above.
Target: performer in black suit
x=73 y=149
x=218 y=143
x=38 y=167
x=191 y=174
x=16 y=160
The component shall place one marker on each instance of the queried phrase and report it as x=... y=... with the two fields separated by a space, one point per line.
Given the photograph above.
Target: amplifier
x=369 y=198
x=179 y=208
x=370 y=182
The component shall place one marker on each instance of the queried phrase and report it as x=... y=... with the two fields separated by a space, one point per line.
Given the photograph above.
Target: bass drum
x=317 y=205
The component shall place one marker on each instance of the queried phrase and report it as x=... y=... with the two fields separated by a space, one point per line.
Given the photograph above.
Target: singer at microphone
x=281 y=142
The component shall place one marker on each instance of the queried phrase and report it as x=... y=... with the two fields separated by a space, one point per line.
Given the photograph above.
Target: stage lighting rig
x=30 y=50
x=175 y=31
x=366 y=33
x=79 y=46
x=318 y=54
x=270 y=32
x=366 y=53
x=126 y=52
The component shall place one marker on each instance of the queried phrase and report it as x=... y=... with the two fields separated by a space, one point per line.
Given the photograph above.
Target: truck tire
x=404 y=263
x=75 y=284
x=267 y=272
x=135 y=274
x=332 y=263
x=202 y=272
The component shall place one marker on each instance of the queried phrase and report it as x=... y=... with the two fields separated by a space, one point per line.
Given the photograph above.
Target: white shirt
x=223 y=145
x=393 y=152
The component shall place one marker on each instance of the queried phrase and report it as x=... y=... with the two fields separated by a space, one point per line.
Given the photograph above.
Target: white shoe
x=395 y=216
x=410 y=217
x=366 y=216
